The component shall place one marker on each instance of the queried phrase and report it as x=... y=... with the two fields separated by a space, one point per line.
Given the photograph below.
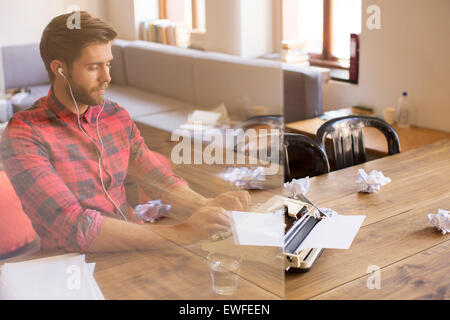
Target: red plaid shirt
x=53 y=168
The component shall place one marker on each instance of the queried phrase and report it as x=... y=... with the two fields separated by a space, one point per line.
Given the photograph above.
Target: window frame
x=164 y=14
x=326 y=58
x=162 y=9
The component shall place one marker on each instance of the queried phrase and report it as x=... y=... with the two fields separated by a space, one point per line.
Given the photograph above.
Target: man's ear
x=55 y=65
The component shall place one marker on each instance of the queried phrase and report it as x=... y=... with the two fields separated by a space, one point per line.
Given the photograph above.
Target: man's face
x=89 y=74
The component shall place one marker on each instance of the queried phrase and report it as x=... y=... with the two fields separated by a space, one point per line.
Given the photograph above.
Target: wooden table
x=375 y=142
x=181 y=272
x=413 y=257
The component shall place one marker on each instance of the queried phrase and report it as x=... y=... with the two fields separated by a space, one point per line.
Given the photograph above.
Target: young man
x=68 y=155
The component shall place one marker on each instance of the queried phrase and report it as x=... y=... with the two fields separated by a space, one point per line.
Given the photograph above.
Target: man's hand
x=209 y=220
x=204 y=223
x=233 y=201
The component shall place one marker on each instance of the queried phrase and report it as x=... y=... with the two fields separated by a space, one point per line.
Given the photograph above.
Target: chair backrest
x=347 y=138
x=303 y=157
x=273 y=121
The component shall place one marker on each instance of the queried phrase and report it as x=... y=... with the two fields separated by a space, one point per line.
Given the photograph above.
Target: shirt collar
x=68 y=115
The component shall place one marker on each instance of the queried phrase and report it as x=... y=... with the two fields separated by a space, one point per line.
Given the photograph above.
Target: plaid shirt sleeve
x=155 y=178
x=51 y=206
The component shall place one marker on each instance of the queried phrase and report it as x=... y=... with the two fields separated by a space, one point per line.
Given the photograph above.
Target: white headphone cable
x=101 y=142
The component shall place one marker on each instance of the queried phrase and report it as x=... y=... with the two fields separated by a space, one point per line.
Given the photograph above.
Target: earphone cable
x=101 y=142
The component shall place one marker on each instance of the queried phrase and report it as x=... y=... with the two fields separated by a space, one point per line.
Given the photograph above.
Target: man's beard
x=85 y=96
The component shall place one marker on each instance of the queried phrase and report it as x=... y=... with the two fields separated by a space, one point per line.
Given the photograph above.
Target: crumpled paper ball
x=152 y=210
x=441 y=220
x=246 y=178
x=371 y=182
x=296 y=186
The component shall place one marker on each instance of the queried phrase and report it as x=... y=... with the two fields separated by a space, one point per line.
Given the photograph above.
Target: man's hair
x=63 y=43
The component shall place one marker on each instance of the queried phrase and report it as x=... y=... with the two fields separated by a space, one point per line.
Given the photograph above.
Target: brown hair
x=64 y=42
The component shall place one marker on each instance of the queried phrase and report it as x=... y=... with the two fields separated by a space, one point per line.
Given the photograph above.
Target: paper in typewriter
x=335 y=232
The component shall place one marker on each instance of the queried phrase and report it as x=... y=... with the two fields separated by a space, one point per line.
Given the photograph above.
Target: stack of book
x=161 y=30
x=295 y=57
x=294 y=53
x=197 y=39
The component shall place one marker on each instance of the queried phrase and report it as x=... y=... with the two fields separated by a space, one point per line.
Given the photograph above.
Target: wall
x=223 y=25
x=256 y=27
x=239 y=27
x=120 y=14
x=410 y=52
x=22 y=21
x=126 y=16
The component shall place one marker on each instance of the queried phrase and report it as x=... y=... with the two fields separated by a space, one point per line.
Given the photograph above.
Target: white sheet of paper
x=257 y=229
x=95 y=292
x=49 y=278
x=205 y=117
x=336 y=232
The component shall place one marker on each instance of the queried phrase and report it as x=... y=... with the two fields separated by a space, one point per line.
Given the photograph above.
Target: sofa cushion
x=161 y=69
x=118 y=72
x=140 y=103
x=15 y=227
x=238 y=82
x=23 y=66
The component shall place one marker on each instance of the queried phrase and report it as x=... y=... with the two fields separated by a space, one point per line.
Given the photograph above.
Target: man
x=68 y=155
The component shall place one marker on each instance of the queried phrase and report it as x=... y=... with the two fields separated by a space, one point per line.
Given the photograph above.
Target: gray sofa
x=160 y=85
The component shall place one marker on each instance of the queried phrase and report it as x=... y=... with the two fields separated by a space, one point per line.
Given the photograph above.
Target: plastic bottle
x=403 y=111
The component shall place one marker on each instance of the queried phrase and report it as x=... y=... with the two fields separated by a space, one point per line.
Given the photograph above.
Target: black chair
x=347 y=138
x=273 y=121
x=268 y=122
x=303 y=157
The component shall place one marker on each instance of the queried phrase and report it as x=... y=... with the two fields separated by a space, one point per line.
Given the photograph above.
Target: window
x=187 y=17
x=322 y=29
x=190 y=13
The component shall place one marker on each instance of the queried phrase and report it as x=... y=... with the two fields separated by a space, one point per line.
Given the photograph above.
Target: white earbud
x=60 y=70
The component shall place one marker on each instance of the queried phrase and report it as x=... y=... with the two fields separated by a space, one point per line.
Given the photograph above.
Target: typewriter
x=298 y=224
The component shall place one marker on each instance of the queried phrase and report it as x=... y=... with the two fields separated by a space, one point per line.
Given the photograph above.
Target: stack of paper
x=64 y=277
x=203 y=120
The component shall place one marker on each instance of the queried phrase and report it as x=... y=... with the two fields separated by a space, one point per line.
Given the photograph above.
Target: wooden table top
x=375 y=142
x=412 y=256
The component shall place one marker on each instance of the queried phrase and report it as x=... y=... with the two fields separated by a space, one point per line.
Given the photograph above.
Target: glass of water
x=224 y=270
